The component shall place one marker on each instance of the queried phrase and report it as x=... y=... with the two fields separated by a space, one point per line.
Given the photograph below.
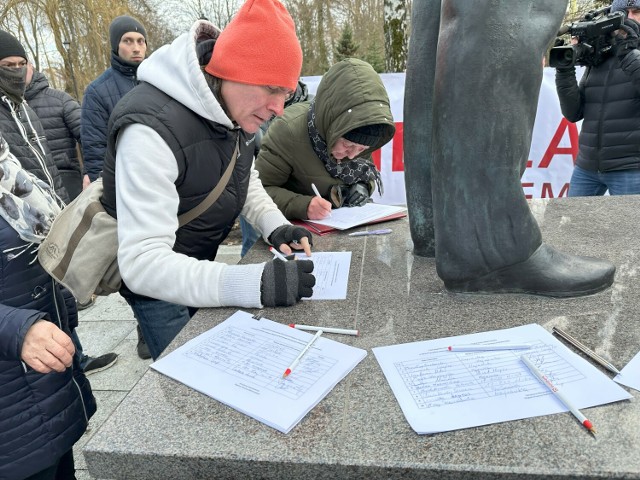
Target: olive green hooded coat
x=350 y=95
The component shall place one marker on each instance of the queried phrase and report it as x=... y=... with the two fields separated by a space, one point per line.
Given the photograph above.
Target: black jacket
x=41 y=415
x=60 y=117
x=100 y=98
x=203 y=150
x=32 y=152
x=608 y=102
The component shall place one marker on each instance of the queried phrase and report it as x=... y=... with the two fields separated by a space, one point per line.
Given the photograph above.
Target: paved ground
x=109 y=326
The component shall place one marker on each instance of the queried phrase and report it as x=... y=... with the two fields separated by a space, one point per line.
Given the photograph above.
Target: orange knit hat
x=259 y=47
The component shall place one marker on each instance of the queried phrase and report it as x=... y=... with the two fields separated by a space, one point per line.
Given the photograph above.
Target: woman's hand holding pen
x=318 y=208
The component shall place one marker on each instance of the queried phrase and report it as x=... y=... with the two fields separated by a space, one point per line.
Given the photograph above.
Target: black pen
x=586 y=350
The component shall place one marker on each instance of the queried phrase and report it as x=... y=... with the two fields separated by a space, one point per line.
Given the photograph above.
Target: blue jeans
x=159 y=321
x=585 y=183
x=249 y=236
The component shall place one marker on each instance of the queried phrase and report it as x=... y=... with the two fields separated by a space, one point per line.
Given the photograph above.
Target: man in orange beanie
x=172 y=138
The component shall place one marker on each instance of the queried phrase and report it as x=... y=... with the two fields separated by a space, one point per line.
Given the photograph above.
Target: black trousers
x=63 y=469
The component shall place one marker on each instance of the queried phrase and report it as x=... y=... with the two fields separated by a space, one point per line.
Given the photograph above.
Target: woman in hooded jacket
x=327 y=142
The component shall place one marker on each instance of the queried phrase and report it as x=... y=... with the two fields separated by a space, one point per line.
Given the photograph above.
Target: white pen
x=382 y=231
x=278 y=254
x=311 y=328
x=488 y=347
x=559 y=395
x=315 y=190
x=293 y=365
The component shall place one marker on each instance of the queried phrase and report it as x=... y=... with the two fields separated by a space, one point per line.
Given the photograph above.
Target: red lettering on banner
x=528 y=196
x=397 y=159
x=547 y=190
x=397 y=151
x=555 y=149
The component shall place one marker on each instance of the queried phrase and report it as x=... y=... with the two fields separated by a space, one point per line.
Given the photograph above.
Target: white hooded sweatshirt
x=147 y=200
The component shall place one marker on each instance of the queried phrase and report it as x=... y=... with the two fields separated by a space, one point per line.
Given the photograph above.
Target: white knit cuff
x=240 y=286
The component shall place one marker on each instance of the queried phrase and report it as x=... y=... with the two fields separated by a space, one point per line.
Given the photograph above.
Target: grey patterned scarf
x=26 y=203
x=353 y=171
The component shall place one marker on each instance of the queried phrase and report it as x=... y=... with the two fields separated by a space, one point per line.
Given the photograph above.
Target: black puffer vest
x=202 y=149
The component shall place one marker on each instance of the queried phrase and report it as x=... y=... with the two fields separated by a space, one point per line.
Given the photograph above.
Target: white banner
x=553 y=148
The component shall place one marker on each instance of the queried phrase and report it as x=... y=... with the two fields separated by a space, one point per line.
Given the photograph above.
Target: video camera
x=594 y=39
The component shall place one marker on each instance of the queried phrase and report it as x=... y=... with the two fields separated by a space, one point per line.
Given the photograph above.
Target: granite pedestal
x=164 y=430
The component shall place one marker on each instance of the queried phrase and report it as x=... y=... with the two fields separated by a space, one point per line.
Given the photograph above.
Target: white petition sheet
x=349 y=217
x=630 y=374
x=331 y=270
x=439 y=390
x=240 y=363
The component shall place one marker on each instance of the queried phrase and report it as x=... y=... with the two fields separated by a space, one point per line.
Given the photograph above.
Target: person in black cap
x=328 y=143
x=128 y=40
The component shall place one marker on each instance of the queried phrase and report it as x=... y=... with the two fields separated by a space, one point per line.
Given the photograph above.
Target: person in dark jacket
x=60 y=117
x=59 y=113
x=128 y=40
x=608 y=101
x=172 y=138
x=20 y=125
x=45 y=399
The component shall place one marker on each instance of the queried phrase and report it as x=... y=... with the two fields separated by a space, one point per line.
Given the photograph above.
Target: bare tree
x=179 y=15
x=69 y=39
x=395 y=34
x=316 y=31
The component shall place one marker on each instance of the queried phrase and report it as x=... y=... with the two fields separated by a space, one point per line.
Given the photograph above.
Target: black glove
x=289 y=233
x=563 y=72
x=357 y=195
x=625 y=44
x=285 y=283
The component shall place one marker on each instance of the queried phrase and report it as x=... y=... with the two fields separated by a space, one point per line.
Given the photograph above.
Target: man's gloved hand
x=626 y=43
x=288 y=234
x=357 y=195
x=285 y=283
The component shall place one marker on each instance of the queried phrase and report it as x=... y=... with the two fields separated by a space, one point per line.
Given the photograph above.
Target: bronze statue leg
x=487 y=76
x=418 y=122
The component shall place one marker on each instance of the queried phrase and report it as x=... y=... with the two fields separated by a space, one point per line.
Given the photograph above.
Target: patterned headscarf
x=353 y=171
x=26 y=202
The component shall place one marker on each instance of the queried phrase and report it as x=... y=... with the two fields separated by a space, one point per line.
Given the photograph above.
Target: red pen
x=293 y=365
x=560 y=396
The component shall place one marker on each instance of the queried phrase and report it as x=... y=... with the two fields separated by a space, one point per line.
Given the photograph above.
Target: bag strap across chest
x=214 y=194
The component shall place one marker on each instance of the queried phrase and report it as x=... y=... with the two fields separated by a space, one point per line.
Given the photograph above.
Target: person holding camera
x=607 y=99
